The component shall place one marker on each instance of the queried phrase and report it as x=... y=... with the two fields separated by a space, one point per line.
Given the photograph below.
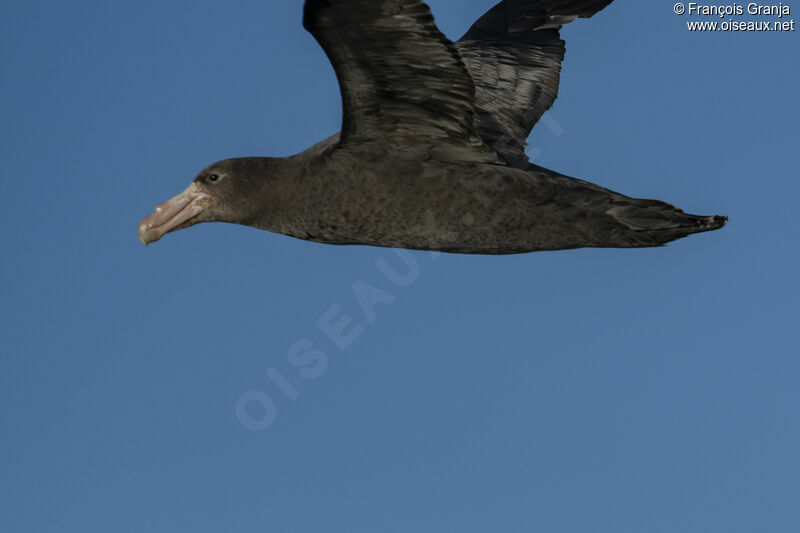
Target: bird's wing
x=399 y=76
x=513 y=54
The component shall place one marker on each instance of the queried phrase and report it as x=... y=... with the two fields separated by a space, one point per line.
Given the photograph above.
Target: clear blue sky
x=591 y=390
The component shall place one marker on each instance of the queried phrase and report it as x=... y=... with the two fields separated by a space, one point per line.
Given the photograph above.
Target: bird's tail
x=654 y=223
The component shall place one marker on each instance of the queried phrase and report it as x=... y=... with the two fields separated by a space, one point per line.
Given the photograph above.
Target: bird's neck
x=293 y=195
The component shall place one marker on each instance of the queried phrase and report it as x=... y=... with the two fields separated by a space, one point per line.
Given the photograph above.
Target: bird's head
x=222 y=192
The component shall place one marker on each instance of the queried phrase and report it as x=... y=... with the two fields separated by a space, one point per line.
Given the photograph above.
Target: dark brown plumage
x=431 y=153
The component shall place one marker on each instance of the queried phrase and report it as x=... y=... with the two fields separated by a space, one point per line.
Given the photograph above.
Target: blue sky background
x=590 y=390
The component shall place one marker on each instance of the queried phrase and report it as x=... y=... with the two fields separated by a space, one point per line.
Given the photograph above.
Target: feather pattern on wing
x=399 y=76
x=513 y=54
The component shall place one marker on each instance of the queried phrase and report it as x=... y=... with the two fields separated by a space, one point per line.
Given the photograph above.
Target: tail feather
x=661 y=222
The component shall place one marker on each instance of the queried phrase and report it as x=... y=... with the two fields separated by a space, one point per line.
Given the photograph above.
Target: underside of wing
x=513 y=54
x=399 y=76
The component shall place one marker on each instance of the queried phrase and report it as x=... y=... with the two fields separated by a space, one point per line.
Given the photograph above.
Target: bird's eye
x=213 y=177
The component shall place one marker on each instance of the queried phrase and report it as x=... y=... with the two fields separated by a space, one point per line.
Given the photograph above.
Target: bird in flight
x=431 y=155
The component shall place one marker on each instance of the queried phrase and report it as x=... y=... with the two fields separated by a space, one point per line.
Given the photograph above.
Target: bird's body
x=431 y=155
